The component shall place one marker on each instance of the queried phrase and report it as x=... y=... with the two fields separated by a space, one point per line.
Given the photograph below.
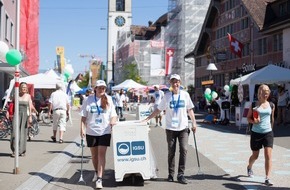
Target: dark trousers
x=172 y=137
x=120 y=111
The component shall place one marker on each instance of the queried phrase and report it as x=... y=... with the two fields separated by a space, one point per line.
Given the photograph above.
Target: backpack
x=250 y=125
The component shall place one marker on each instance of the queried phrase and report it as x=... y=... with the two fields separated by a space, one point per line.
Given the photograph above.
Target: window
x=246 y=50
x=262 y=46
x=1 y=7
x=277 y=42
x=6 y=26
x=283 y=9
x=120 y=5
x=12 y=34
x=244 y=23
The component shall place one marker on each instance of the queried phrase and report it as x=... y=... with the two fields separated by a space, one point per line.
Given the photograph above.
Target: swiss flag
x=235 y=46
x=168 y=60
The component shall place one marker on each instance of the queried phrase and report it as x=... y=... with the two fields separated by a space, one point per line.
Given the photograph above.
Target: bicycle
x=5 y=124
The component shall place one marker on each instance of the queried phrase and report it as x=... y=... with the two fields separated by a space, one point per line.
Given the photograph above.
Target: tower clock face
x=120 y=21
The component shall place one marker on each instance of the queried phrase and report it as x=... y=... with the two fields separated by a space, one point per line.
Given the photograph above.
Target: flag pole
x=16 y=110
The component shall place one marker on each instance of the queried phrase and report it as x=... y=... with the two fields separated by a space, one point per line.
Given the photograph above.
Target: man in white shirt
x=177 y=104
x=59 y=104
x=120 y=99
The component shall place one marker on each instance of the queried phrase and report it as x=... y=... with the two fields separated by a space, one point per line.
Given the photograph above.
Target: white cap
x=175 y=76
x=101 y=83
x=156 y=86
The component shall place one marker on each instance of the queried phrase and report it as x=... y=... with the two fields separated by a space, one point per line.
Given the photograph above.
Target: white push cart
x=133 y=154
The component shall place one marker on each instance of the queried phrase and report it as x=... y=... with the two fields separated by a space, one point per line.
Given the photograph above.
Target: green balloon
x=208 y=97
x=231 y=88
x=67 y=75
x=13 y=57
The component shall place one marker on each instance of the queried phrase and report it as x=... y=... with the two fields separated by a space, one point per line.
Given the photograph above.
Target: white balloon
x=214 y=95
x=207 y=91
x=69 y=69
x=227 y=93
x=3 y=50
x=226 y=88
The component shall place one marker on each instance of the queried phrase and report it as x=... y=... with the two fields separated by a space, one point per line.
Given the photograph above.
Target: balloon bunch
x=68 y=72
x=210 y=95
x=13 y=57
x=228 y=89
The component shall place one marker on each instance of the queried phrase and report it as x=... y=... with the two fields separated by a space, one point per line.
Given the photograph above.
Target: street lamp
x=211 y=67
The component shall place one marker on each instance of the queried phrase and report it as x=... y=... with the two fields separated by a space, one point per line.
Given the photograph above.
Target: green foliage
x=84 y=83
x=131 y=72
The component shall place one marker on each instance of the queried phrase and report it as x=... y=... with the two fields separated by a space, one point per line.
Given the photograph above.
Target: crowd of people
x=100 y=111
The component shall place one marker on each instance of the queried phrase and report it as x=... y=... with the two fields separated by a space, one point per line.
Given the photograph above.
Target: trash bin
x=143 y=111
x=132 y=150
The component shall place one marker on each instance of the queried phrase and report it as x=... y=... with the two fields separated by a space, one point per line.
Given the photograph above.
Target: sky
x=77 y=26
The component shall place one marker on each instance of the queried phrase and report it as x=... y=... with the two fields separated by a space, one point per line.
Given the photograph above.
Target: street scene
x=131 y=94
x=223 y=154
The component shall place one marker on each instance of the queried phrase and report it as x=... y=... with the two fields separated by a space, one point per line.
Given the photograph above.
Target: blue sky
x=76 y=25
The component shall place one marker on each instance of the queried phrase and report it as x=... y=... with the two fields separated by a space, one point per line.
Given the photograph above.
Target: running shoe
x=268 y=182
x=99 y=184
x=250 y=172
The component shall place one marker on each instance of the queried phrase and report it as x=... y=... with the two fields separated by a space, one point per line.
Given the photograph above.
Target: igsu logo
x=133 y=148
x=123 y=149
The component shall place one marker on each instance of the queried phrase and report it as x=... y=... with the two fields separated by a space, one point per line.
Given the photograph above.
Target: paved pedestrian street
x=223 y=152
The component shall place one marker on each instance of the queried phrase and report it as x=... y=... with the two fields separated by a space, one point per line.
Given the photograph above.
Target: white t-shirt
x=97 y=119
x=59 y=99
x=158 y=95
x=120 y=99
x=176 y=106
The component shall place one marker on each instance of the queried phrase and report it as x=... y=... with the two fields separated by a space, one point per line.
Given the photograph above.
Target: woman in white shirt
x=98 y=117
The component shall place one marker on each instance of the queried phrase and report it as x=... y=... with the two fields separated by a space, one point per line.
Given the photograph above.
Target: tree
x=131 y=72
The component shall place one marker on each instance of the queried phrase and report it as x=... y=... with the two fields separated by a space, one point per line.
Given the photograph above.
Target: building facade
x=250 y=23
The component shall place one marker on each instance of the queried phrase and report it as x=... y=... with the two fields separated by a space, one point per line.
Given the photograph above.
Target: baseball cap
x=175 y=76
x=101 y=83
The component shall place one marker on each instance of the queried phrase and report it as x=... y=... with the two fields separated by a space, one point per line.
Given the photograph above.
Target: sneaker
x=156 y=125
x=99 y=183
x=160 y=123
x=268 y=182
x=250 y=172
x=170 y=178
x=95 y=178
x=181 y=179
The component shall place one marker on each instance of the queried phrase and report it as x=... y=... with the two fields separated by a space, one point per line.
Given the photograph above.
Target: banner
x=236 y=47
x=168 y=60
x=29 y=43
x=157 y=69
x=60 y=58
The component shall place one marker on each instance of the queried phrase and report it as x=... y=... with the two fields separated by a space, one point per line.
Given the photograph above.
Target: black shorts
x=259 y=140
x=103 y=140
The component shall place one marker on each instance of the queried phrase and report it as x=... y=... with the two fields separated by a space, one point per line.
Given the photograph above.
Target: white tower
x=119 y=18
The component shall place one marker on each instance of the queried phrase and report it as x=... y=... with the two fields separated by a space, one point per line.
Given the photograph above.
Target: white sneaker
x=95 y=178
x=99 y=183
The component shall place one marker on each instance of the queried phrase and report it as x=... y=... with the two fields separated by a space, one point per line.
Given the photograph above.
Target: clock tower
x=119 y=19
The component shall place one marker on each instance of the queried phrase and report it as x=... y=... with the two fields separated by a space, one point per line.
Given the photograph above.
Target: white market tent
x=129 y=83
x=267 y=75
x=39 y=81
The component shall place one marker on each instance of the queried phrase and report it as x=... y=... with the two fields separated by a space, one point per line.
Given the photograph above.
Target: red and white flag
x=168 y=60
x=236 y=47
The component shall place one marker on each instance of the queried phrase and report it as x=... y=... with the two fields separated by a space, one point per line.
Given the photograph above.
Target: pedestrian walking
x=177 y=105
x=98 y=117
x=59 y=106
x=282 y=103
x=262 y=118
x=25 y=117
x=120 y=99
x=158 y=94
